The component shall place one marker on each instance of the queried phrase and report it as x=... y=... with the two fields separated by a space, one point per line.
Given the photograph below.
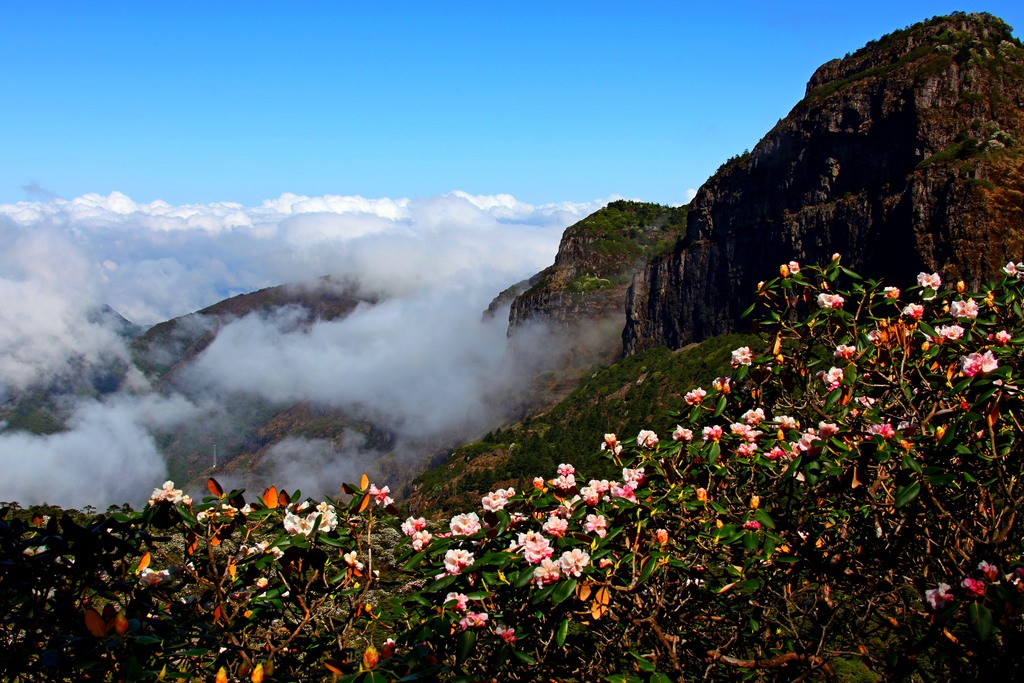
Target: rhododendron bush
x=845 y=505
x=846 y=502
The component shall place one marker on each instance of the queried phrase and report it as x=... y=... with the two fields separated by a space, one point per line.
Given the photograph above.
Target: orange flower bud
x=702 y=495
x=925 y=346
x=370 y=657
x=940 y=432
x=222 y=676
x=960 y=287
x=257 y=674
x=755 y=501
x=784 y=270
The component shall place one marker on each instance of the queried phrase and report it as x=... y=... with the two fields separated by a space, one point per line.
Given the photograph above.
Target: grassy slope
x=642 y=391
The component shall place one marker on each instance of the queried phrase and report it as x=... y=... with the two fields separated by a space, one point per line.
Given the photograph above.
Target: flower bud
x=370 y=657
x=940 y=431
x=755 y=501
x=925 y=346
x=702 y=495
x=784 y=270
x=960 y=287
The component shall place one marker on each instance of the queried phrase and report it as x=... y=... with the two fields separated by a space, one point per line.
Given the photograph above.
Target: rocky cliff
x=904 y=156
x=580 y=296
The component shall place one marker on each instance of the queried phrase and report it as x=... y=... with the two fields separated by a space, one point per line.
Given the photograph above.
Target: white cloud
x=108 y=455
x=423 y=361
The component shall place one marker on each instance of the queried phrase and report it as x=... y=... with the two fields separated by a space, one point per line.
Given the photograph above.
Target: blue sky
x=547 y=101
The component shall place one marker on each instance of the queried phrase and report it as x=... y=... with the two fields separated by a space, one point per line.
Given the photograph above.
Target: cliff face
x=905 y=156
x=581 y=294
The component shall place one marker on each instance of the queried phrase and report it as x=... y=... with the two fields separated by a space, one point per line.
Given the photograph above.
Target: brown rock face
x=905 y=156
x=580 y=296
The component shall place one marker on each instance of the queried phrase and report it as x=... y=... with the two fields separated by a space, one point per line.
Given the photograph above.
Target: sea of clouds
x=424 y=359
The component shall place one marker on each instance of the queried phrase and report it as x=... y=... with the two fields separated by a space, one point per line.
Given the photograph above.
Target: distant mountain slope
x=169 y=344
x=904 y=156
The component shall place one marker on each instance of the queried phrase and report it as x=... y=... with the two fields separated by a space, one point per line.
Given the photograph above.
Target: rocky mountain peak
x=904 y=156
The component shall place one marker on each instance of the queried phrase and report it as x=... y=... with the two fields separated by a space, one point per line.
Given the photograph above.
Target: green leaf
x=714 y=452
x=644 y=664
x=467 y=641
x=911 y=464
x=660 y=678
x=720 y=406
x=905 y=494
x=523 y=657
x=563 y=590
x=765 y=519
x=981 y=620
x=563 y=630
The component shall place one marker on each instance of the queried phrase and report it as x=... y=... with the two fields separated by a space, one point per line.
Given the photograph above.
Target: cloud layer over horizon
x=436 y=261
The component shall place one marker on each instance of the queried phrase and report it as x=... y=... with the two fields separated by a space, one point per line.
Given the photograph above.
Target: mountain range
x=904 y=156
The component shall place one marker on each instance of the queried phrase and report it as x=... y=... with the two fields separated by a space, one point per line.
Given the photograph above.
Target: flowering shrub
x=221 y=590
x=846 y=505
x=812 y=512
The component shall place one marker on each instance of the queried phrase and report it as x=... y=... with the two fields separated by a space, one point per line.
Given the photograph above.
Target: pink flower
x=590 y=495
x=914 y=311
x=713 y=433
x=786 y=422
x=695 y=396
x=933 y=280
x=167 y=493
x=964 y=309
x=565 y=470
x=505 y=633
x=413 y=524
x=465 y=524
x=572 y=562
x=596 y=524
x=827 y=429
x=381 y=495
x=682 y=434
x=610 y=441
x=753 y=417
x=742 y=356
x=975 y=588
x=646 y=439
x=939 y=597
x=1003 y=337
x=826 y=300
x=950 y=332
x=883 y=430
x=845 y=351
x=989 y=571
x=460 y=599
x=497 y=500
x=420 y=539
x=752 y=524
x=744 y=431
x=794 y=266
x=473 y=620
x=833 y=378
x=746 y=449
x=661 y=535
x=546 y=572
x=556 y=526
x=1011 y=269
x=456 y=560
x=626 y=492
x=775 y=453
x=538 y=483
x=633 y=476
x=892 y=292
x=535 y=546
x=564 y=481
x=974 y=363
